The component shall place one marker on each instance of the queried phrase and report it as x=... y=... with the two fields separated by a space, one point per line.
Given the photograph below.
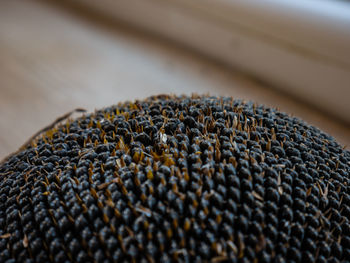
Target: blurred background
x=56 y=56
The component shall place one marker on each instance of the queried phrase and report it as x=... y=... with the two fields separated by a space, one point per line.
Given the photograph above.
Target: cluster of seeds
x=177 y=179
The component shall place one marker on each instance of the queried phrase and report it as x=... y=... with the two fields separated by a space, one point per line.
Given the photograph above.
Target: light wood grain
x=52 y=61
x=287 y=43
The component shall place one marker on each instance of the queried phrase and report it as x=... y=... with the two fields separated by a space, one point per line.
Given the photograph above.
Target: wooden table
x=53 y=59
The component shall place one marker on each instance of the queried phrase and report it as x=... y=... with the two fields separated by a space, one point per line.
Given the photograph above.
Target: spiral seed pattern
x=177 y=179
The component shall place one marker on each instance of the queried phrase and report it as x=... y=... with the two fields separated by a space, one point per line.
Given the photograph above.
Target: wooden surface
x=287 y=43
x=53 y=60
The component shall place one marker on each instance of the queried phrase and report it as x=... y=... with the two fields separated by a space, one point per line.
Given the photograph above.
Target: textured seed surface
x=177 y=179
